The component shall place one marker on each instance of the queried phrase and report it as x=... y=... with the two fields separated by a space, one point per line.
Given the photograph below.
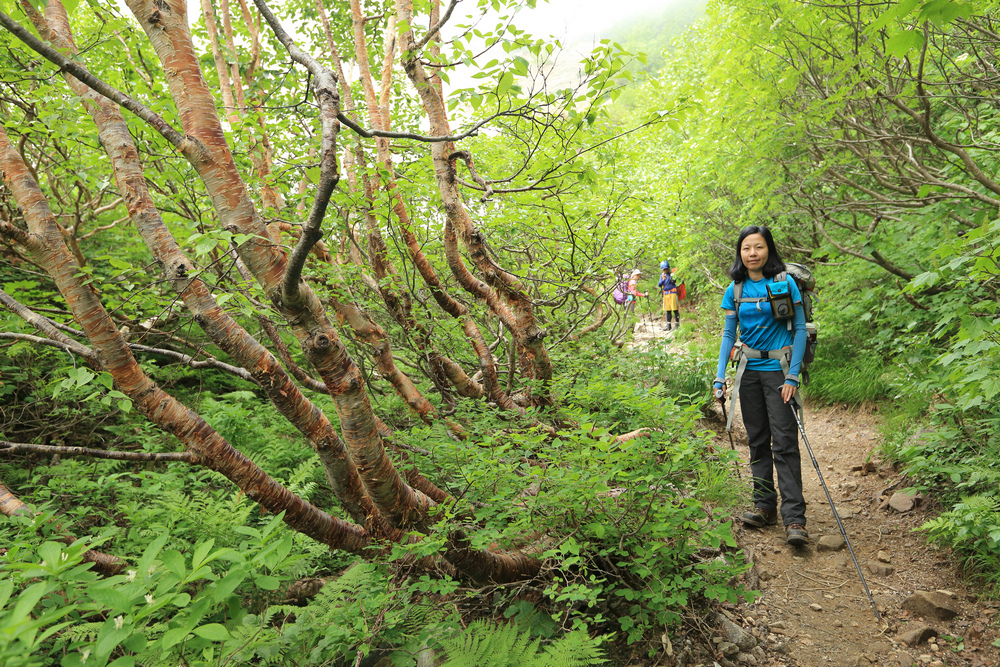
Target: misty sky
x=572 y=20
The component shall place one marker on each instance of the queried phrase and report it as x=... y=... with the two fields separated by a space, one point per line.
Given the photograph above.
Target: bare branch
x=24 y=447
x=17 y=234
x=434 y=29
x=371 y=134
x=328 y=99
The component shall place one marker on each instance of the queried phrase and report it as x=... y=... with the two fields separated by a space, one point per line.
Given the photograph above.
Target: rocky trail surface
x=813 y=610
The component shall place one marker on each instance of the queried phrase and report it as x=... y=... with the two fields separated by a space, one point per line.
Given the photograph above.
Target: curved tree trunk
x=216 y=323
x=516 y=313
x=49 y=250
x=463 y=384
x=165 y=23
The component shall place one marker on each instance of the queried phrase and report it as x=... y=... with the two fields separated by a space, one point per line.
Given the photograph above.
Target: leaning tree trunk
x=47 y=247
x=165 y=22
x=491 y=381
x=203 y=144
x=515 y=308
x=264 y=369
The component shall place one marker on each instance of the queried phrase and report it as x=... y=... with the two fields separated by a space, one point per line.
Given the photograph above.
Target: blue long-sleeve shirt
x=667 y=283
x=759 y=330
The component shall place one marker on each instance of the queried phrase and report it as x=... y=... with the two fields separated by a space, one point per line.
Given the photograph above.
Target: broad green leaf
x=112 y=598
x=174 y=636
x=901 y=43
x=505 y=83
x=214 y=631
x=200 y=552
x=266 y=582
x=225 y=586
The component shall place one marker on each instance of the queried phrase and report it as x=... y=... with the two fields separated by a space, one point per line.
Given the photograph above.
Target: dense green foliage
x=812 y=119
x=864 y=136
x=223 y=578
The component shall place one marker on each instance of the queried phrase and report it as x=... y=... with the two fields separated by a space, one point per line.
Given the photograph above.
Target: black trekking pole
x=833 y=507
x=720 y=394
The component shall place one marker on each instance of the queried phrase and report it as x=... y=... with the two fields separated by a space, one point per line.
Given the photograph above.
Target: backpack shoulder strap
x=738 y=296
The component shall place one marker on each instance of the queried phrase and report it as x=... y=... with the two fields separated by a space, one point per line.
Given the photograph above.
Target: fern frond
x=483 y=644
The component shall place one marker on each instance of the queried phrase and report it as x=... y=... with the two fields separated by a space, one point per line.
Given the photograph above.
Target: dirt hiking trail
x=813 y=610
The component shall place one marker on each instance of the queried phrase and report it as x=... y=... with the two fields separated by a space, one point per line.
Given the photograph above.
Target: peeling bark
x=264 y=369
x=165 y=23
x=161 y=408
x=516 y=308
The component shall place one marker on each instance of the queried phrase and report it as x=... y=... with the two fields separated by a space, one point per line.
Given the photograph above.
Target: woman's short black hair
x=772 y=267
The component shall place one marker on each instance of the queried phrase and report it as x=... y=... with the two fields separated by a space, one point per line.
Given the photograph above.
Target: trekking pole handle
x=719 y=392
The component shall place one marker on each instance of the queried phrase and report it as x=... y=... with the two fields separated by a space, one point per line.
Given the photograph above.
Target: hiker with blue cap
x=671 y=307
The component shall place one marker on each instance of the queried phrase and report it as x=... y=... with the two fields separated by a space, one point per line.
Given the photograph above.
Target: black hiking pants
x=774 y=444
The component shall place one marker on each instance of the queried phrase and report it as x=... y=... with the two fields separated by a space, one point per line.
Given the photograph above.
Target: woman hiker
x=632 y=290
x=773 y=351
x=671 y=309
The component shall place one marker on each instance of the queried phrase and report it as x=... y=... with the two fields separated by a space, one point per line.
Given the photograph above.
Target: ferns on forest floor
x=485 y=644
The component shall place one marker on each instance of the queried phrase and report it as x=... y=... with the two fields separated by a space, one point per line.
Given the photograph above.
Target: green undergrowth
x=953 y=456
x=632 y=534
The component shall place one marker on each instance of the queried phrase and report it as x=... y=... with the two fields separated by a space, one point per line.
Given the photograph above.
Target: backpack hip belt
x=742 y=354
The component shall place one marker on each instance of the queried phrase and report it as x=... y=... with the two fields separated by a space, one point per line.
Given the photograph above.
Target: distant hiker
x=671 y=307
x=769 y=353
x=632 y=290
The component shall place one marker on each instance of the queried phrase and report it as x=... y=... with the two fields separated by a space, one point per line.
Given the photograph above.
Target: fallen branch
x=17 y=447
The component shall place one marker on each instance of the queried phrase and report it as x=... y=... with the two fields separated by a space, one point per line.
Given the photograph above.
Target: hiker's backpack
x=621 y=289
x=806 y=283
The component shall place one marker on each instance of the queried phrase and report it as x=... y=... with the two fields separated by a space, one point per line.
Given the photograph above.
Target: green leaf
x=109 y=637
x=200 y=552
x=900 y=44
x=505 y=83
x=171 y=637
x=146 y=562
x=225 y=586
x=174 y=561
x=266 y=582
x=213 y=631
x=50 y=552
x=112 y=598
x=6 y=588
x=26 y=601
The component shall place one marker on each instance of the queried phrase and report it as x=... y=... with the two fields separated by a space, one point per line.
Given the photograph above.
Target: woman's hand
x=788 y=392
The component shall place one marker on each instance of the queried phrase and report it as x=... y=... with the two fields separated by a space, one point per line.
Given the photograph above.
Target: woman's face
x=753 y=252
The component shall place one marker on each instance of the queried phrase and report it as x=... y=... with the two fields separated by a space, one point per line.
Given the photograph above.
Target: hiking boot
x=759 y=517
x=796 y=535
